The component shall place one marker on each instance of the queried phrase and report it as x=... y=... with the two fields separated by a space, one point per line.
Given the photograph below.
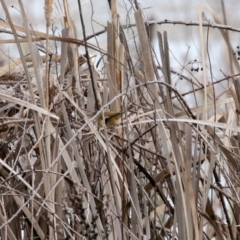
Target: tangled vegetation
x=163 y=170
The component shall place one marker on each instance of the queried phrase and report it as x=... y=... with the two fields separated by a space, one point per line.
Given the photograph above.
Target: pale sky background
x=183 y=40
x=185 y=10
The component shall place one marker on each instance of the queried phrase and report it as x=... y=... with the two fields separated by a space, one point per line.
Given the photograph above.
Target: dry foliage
x=168 y=171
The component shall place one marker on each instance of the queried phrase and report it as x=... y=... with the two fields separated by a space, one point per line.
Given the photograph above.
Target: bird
x=111 y=118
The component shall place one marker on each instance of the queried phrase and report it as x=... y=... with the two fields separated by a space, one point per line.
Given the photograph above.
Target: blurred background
x=184 y=44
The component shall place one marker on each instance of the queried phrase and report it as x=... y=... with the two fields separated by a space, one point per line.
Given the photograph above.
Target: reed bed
x=167 y=171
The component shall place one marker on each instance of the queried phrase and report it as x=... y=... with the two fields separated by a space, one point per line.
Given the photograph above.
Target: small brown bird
x=112 y=119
